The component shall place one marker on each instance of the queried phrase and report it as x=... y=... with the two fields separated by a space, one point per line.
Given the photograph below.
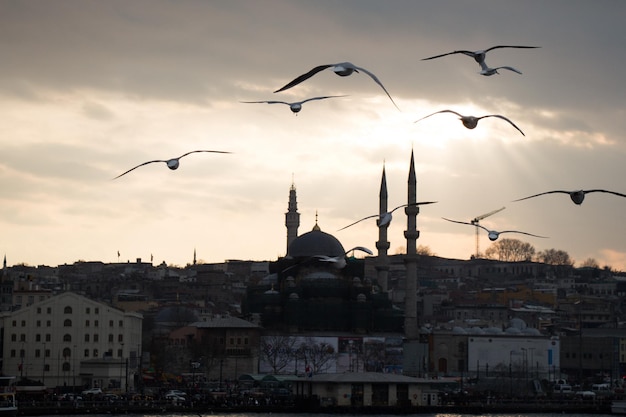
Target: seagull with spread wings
x=343 y=69
x=171 y=163
x=295 y=106
x=493 y=234
x=577 y=196
x=479 y=57
x=471 y=122
x=385 y=218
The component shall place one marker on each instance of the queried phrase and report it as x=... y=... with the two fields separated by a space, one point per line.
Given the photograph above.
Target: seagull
x=471 y=122
x=342 y=69
x=296 y=106
x=479 y=57
x=340 y=261
x=487 y=71
x=385 y=218
x=577 y=196
x=171 y=163
x=493 y=235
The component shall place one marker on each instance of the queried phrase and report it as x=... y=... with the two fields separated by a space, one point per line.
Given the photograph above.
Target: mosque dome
x=315 y=243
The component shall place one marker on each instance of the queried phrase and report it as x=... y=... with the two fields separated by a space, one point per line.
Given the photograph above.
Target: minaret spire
x=382 y=261
x=292 y=217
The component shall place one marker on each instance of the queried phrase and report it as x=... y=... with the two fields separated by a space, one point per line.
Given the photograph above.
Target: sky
x=89 y=89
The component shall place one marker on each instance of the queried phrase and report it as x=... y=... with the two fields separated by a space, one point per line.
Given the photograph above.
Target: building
x=71 y=341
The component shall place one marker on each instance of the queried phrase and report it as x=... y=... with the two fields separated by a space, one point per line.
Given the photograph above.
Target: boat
x=618 y=407
x=8 y=404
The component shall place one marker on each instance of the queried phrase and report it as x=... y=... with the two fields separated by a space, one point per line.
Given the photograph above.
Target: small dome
x=315 y=243
x=361 y=298
x=293 y=296
x=458 y=330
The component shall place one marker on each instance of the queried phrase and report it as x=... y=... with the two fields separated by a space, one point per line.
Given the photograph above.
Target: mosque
x=318 y=287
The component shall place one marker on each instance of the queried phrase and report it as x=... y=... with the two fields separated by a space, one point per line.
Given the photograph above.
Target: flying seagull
x=479 y=57
x=342 y=69
x=487 y=70
x=577 y=196
x=340 y=261
x=171 y=163
x=385 y=218
x=471 y=122
x=296 y=106
x=493 y=234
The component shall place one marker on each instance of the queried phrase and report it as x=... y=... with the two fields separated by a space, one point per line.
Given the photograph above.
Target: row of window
x=67 y=353
x=68 y=323
x=67 y=337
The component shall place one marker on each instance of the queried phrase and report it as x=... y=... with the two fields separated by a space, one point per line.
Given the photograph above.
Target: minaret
x=411 y=365
x=292 y=217
x=382 y=260
x=410 y=260
x=194 y=256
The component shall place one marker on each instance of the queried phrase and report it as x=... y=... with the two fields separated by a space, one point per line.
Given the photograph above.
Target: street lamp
x=121 y=364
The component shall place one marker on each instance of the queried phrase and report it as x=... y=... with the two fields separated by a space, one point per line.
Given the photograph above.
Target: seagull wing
x=140 y=165
x=319 y=98
x=468 y=53
x=510 y=46
x=201 y=151
x=303 y=77
x=604 y=191
x=547 y=192
x=523 y=233
x=268 y=102
x=510 y=69
x=358 y=221
x=361 y=248
x=469 y=224
x=375 y=78
x=504 y=118
x=440 y=111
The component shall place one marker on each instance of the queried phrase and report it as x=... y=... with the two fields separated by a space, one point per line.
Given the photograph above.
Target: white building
x=69 y=340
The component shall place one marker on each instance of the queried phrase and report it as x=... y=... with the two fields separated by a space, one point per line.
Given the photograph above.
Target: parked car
x=92 y=391
x=176 y=392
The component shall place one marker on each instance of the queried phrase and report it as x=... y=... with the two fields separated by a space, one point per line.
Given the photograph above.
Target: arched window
x=67 y=323
x=67 y=337
x=67 y=352
x=66 y=366
x=67 y=310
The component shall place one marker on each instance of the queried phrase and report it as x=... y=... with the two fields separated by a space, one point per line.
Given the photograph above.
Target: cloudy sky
x=89 y=89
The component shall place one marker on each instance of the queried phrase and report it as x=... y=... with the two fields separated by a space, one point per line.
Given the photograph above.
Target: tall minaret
x=382 y=261
x=411 y=332
x=292 y=217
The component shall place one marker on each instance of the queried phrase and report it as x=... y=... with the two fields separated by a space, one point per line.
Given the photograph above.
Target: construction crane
x=476 y=221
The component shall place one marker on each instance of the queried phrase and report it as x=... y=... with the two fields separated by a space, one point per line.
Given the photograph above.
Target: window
x=119 y=353
x=38 y=324
x=121 y=323
x=86 y=354
x=97 y=310
x=23 y=323
x=37 y=353
x=67 y=323
x=12 y=353
x=86 y=323
x=14 y=323
x=22 y=337
x=66 y=366
x=37 y=337
x=110 y=323
x=47 y=368
x=88 y=310
x=13 y=337
x=67 y=337
x=48 y=337
x=38 y=310
x=110 y=338
x=48 y=323
x=120 y=337
x=49 y=310
x=47 y=353
x=67 y=310
x=67 y=352
x=86 y=337
x=95 y=338
x=95 y=353
x=95 y=323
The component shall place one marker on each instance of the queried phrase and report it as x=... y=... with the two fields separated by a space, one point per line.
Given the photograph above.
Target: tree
x=555 y=257
x=319 y=356
x=590 y=263
x=277 y=351
x=510 y=250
